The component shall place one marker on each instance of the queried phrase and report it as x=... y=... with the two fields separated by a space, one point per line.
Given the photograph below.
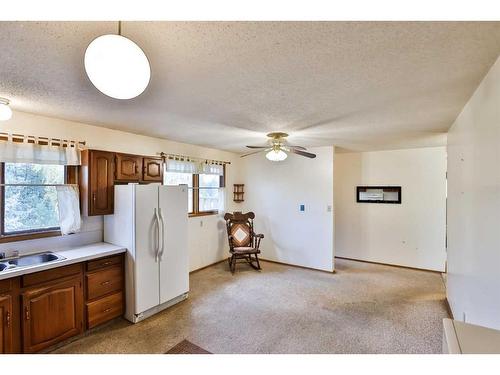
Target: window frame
x=70 y=176
x=196 y=194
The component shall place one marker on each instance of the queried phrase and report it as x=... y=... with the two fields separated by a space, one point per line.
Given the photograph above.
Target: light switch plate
x=302 y=207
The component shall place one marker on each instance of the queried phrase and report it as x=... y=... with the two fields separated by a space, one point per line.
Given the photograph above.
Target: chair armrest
x=258 y=235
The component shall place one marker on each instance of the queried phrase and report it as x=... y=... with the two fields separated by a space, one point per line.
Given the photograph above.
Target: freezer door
x=147 y=275
x=174 y=260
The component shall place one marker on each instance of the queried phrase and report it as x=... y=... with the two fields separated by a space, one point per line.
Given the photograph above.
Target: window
x=177 y=178
x=209 y=192
x=205 y=194
x=27 y=207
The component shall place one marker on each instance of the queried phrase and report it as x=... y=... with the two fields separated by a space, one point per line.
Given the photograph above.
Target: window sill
x=29 y=236
x=204 y=213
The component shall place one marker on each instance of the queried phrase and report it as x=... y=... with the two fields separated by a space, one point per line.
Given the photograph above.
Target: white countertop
x=73 y=255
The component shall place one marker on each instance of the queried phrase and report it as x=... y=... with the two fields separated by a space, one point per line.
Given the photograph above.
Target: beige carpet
x=362 y=308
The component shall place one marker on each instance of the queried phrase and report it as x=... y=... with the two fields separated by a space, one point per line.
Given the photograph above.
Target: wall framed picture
x=378 y=194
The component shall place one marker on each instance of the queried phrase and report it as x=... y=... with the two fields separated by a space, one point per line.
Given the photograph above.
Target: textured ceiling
x=357 y=85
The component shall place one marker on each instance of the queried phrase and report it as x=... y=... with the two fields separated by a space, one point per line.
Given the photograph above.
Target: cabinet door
x=52 y=314
x=5 y=324
x=153 y=169
x=128 y=167
x=101 y=191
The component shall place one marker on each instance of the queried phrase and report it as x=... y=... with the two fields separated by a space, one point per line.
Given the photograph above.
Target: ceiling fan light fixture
x=117 y=66
x=5 y=111
x=276 y=155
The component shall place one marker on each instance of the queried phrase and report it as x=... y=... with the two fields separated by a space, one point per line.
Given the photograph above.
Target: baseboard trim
x=295 y=265
x=390 y=265
x=210 y=265
x=448 y=308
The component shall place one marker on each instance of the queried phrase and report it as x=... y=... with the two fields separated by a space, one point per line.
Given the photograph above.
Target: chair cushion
x=241 y=235
x=244 y=249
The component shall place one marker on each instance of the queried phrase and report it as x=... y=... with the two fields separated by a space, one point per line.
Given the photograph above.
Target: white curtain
x=23 y=152
x=216 y=169
x=181 y=166
x=69 y=209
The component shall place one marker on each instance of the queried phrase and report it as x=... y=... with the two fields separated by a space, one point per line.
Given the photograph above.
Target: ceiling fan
x=278 y=147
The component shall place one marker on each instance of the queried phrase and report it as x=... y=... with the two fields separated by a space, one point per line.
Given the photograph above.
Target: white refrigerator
x=151 y=222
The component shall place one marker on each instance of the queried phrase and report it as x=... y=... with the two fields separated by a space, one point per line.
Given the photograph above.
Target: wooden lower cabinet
x=51 y=314
x=6 y=324
x=104 y=309
x=42 y=309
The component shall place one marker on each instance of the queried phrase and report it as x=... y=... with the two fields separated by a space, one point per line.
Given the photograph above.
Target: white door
x=174 y=263
x=147 y=278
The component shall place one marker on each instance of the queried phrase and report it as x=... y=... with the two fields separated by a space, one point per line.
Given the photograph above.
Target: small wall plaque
x=378 y=194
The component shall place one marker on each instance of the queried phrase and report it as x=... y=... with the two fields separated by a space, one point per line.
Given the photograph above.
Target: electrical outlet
x=463 y=317
x=201 y=223
x=329 y=208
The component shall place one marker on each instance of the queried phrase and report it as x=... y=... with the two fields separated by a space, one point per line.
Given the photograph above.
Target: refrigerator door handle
x=162 y=233
x=157 y=243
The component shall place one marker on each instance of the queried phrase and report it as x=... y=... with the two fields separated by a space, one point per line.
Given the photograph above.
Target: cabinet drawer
x=104 y=282
x=104 y=262
x=53 y=274
x=104 y=309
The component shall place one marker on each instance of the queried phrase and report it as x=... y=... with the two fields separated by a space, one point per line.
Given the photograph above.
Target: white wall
x=274 y=191
x=473 y=282
x=409 y=234
x=207 y=239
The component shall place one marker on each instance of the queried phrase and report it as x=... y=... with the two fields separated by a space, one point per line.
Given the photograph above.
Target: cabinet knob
x=105 y=282
x=93 y=197
x=7 y=319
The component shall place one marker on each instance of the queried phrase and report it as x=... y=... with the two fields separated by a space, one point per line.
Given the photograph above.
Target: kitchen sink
x=30 y=261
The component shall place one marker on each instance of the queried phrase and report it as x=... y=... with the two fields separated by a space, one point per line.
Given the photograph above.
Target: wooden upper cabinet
x=52 y=314
x=128 y=167
x=153 y=170
x=6 y=324
x=100 y=170
x=97 y=182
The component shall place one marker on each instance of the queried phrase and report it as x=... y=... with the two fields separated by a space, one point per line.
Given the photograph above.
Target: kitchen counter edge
x=72 y=255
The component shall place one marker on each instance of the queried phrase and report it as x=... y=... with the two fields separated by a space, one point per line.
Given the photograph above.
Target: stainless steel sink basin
x=30 y=260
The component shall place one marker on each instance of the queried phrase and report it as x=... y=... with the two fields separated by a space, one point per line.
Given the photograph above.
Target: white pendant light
x=117 y=66
x=276 y=155
x=5 y=111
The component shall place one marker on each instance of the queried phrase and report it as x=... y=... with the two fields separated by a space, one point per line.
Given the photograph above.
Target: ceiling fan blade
x=303 y=153
x=252 y=153
x=257 y=146
x=297 y=147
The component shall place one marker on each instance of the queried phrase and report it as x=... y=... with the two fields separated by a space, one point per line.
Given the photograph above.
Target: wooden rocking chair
x=243 y=242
